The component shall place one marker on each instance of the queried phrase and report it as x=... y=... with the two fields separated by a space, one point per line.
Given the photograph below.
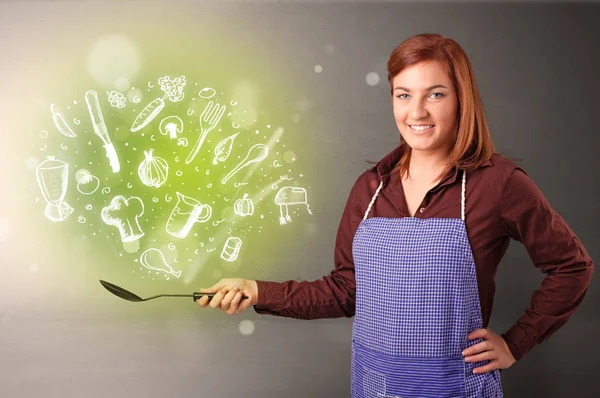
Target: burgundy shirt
x=502 y=203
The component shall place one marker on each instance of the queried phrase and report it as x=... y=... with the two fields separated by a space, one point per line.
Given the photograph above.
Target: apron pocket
x=377 y=375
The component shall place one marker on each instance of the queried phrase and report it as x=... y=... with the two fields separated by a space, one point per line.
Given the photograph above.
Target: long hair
x=473 y=145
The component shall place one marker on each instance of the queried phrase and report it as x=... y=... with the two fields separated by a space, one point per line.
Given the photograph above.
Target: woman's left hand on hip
x=493 y=348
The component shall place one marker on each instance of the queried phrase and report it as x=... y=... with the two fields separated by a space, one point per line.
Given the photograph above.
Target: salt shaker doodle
x=155 y=260
x=231 y=249
x=290 y=196
x=61 y=124
x=53 y=177
x=123 y=213
x=185 y=214
x=171 y=125
x=93 y=104
x=173 y=90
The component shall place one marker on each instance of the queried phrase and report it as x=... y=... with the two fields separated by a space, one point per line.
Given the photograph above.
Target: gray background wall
x=537 y=68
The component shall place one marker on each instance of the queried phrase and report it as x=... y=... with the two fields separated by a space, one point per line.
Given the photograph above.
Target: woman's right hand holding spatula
x=229 y=293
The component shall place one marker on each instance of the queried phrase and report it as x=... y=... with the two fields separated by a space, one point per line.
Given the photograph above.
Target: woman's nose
x=418 y=111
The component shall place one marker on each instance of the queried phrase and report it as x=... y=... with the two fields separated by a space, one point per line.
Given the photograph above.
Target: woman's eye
x=401 y=96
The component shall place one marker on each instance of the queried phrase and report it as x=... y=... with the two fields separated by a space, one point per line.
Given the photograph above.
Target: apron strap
x=462 y=202
x=373 y=200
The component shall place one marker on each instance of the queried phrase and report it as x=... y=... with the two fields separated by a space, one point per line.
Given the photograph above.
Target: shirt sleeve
x=332 y=296
x=555 y=250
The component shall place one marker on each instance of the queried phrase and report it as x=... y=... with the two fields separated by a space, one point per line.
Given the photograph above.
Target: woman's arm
x=555 y=250
x=333 y=296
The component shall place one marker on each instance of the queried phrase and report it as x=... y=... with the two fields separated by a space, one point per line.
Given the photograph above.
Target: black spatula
x=127 y=295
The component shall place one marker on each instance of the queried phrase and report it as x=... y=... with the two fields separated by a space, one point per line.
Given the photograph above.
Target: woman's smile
x=421 y=129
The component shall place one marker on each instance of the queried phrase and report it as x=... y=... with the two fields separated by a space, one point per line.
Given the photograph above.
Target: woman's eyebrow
x=427 y=89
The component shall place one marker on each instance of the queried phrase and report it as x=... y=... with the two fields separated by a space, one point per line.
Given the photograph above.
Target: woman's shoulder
x=500 y=168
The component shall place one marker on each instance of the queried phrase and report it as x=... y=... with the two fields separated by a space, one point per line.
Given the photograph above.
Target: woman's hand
x=229 y=292
x=493 y=348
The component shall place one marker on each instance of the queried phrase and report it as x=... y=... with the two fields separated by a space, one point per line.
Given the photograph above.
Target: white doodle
x=52 y=178
x=239 y=184
x=154 y=259
x=185 y=214
x=276 y=163
x=182 y=142
x=93 y=105
x=123 y=213
x=244 y=207
x=256 y=154
x=43 y=149
x=210 y=117
x=216 y=223
x=285 y=177
x=231 y=249
x=179 y=173
x=171 y=246
x=168 y=198
x=136 y=99
x=152 y=138
x=235 y=125
x=155 y=199
x=190 y=112
x=207 y=93
x=116 y=99
x=88 y=207
x=223 y=149
x=290 y=196
x=171 y=125
x=173 y=90
x=87 y=184
x=153 y=171
x=61 y=124
x=63 y=147
x=81 y=219
x=106 y=190
x=76 y=121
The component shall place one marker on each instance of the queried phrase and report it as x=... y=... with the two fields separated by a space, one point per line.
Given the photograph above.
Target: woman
x=419 y=243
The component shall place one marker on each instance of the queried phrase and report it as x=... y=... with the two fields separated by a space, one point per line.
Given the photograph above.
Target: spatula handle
x=196 y=296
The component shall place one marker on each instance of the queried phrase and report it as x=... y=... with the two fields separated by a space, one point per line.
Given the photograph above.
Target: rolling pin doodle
x=91 y=98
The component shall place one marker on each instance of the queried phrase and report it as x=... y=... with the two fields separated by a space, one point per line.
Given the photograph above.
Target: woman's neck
x=426 y=167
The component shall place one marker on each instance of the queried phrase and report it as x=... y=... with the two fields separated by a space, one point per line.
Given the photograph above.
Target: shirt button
x=422 y=209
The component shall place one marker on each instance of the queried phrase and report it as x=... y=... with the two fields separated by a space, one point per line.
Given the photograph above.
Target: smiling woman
x=418 y=246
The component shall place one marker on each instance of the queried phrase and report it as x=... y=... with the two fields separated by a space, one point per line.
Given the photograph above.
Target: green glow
x=254 y=111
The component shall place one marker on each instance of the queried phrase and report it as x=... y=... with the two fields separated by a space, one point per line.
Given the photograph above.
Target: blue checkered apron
x=416 y=301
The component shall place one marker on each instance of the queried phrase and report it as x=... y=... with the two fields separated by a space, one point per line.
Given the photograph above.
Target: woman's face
x=423 y=95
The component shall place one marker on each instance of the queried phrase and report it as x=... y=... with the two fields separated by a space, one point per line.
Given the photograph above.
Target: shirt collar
x=385 y=166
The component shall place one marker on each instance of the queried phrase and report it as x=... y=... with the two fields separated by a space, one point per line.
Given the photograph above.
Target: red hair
x=473 y=145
